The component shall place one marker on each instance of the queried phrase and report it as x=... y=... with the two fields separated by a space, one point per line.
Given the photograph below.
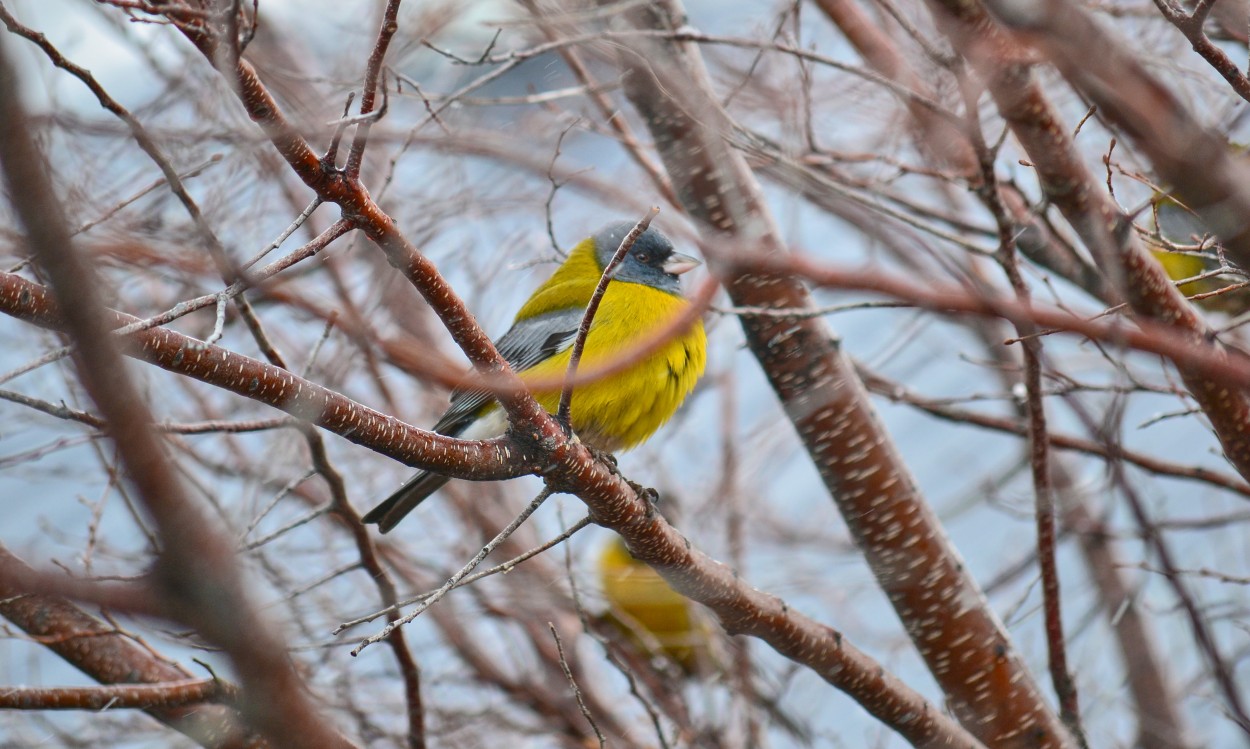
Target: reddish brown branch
x=101 y=652
x=986 y=684
x=196 y=577
x=418 y=360
x=286 y=391
x=120 y=696
x=1225 y=368
x=373 y=74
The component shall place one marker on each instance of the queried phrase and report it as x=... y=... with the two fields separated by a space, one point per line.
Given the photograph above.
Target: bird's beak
x=678 y=264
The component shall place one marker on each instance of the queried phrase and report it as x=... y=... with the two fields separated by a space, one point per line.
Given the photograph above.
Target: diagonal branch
x=196 y=575
x=277 y=387
x=592 y=307
x=966 y=647
x=99 y=651
x=1098 y=221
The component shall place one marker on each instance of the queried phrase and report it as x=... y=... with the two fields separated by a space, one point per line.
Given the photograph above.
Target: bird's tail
x=393 y=509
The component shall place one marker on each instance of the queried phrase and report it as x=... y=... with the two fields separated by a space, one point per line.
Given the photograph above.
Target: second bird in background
x=657 y=620
x=1184 y=252
x=617 y=412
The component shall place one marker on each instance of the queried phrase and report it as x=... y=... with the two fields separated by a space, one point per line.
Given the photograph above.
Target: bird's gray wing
x=527 y=343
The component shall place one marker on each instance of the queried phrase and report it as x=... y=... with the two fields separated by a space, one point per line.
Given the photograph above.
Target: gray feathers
x=527 y=343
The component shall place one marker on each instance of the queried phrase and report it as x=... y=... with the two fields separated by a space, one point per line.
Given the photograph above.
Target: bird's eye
x=644 y=257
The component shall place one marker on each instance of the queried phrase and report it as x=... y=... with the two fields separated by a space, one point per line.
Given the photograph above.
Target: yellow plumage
x=620 y=411
x=1180 y=266
x=616 y=412
x=1178 y=226
x=656 y=619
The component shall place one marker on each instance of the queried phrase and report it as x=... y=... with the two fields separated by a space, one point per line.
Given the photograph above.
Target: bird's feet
x=650 y=495
x=604 y=457
x=566 y=425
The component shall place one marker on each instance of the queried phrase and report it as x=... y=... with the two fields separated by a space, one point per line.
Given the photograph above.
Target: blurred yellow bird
x=661 y=623
x=658 y=620
x=1180 y=266
x=615 y=413
x=1178 y=226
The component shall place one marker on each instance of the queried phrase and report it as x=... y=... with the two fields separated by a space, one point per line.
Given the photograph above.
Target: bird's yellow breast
x=624 y=409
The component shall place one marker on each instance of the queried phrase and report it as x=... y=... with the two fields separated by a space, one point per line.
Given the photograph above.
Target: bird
x=668 y=629
x=1177 y=226
x=1227 y=294
x=615 y=413
x=656 y=619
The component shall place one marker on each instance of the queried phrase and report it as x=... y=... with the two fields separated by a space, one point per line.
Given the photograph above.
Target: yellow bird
x=658 y=620
x=1179 y=226
x=661 y=623
x=1180 y=266
x=617 y=412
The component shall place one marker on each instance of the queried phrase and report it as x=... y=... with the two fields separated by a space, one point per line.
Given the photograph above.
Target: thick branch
x=1092 y=214
x=113 y=697
x=965 y=645
x=277 y=387
x=98 y=650
x=196 y=573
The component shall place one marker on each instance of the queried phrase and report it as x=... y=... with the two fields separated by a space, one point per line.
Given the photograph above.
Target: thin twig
x=577 y=692
x=286 y=233
x=437 y=595
x=556 y=184
x=330 y=159
x=373 y=80
x=583 y=330
x=504 y=568
x=803 y=314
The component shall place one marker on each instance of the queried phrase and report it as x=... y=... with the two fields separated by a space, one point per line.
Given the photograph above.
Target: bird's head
x=651 y=261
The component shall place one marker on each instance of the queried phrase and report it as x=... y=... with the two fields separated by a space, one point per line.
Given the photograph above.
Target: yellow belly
x=654 y=616
x=624 y=409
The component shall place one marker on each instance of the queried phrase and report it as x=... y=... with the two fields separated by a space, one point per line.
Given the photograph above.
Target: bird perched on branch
x=1184 y=253
x=617 y=412
x=669 y=630
x=656 y=619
